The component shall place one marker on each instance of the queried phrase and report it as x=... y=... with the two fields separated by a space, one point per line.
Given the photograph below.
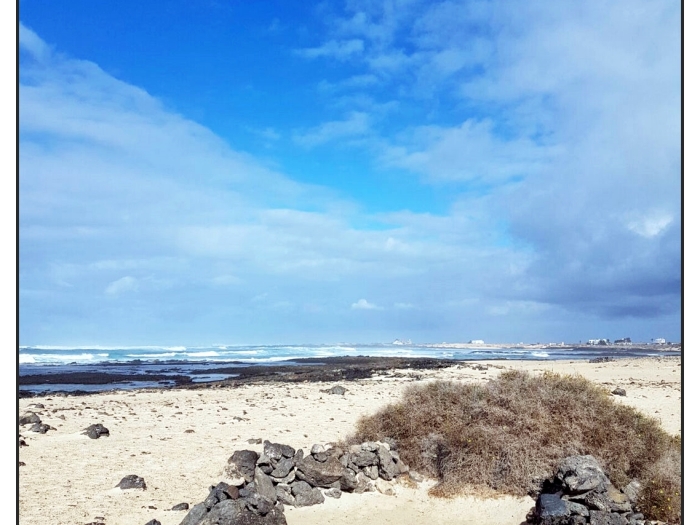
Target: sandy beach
x=179 y=440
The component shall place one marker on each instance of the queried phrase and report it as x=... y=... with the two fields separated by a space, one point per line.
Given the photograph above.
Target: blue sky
x=262 y=172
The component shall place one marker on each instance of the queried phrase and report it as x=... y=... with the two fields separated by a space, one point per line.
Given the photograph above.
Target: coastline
x=148 y=437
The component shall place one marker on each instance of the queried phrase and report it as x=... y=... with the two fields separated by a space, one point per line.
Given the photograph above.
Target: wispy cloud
x=357 y=124
x=341 y=50
x=123 y=285
x=364 y=304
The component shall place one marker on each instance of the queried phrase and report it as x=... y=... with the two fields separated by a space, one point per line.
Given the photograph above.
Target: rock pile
x=31 y=418
x=257 y=486
x=580 y=493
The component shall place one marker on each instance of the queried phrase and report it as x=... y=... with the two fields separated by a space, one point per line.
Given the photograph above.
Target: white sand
x=69 y=479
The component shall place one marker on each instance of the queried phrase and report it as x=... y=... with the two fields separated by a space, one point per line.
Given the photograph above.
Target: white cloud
x=357 y=124
x=404 y=306
x=363 y=304
x=30 y=41
x=335 y=49
x=121 y=286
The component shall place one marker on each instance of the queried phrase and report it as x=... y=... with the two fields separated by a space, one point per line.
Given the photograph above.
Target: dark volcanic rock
x=619 y=392
x=181 y=506
x=96 y=431
x=283 y=467
x=337 y=389
x=305 y=495
x=242 y=464
x=29 y=418
x=153 y=522
x=132 y=481
x=580 y=474
x=320 y=474
x=195 y=515
x=224 y=513
x=552 y=510
x=264 y=486
x=246 y=517
x=277 y=451
x=41 y=428
x=607 y=518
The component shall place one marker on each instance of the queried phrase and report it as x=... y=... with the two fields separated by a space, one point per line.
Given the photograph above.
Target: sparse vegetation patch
x=509 y=435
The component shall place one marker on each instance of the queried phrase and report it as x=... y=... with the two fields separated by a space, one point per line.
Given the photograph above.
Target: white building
x=476 y=342
x=660 y=341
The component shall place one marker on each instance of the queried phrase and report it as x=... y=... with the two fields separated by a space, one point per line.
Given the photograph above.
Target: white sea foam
x=152 y=356
x=540 y=354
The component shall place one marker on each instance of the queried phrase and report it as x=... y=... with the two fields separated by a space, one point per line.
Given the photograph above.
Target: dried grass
x=509 y=435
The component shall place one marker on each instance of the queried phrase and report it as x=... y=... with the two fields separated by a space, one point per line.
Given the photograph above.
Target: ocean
x=130 y=367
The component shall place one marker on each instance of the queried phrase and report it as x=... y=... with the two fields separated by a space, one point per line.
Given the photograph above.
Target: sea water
x=196 y=361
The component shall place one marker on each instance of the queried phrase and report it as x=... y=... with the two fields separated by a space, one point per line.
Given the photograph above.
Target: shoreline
x=179 y=440
x=236 y=372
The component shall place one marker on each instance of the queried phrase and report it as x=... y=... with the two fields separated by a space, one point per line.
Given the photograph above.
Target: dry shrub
x=510 y=434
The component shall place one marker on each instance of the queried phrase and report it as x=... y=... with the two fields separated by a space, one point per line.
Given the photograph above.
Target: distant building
x=476 y=342
x=625 y=341
x=597 y=341
x=660 y=341
x=401 y=342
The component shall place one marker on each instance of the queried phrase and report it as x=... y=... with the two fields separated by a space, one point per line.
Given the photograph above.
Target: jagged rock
x=608 y=500
x=153 y=522
x=320 y=474
x=96 y=431
x=337 y=389
x=384 y=487
x=264 y=486
x=132 y=481
x=364 y=484
x=247 y=517
x=259 y=504
x=333 y=492
x=242 y=465
x=599 y=517
x=277 y=450
x=388 y=469
x=580 y=474
x=317 y=449
x=364 y=459
x=284 y=494
x=369 y=446
x=181 y=506
x=371 y=472
x=283 y=467
x=195 y=515
x=29 y=418
x=41 y=428
x=216 y=495
x=632 y=490
x=224 y=512
x=551 y=510
x=305 y=495
x=287 y=479
x=619 y=391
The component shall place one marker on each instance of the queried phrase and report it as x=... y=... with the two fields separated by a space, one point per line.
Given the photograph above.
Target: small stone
x=132 y=481
x=619 y=392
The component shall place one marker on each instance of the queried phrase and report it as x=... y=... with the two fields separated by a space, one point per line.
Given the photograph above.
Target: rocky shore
x=179 y=442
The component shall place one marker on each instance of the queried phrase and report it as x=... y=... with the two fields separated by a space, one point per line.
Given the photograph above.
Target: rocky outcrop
x=580 y=493
x=258 y=486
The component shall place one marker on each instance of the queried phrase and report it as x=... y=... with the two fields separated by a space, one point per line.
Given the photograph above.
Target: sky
x=223 y=172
